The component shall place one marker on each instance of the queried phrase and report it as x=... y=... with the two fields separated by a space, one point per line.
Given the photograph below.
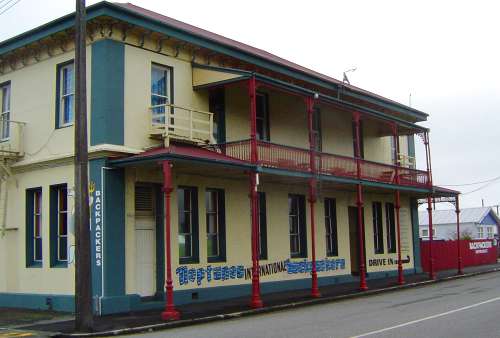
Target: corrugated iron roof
x=250 y=50
x=467 y=215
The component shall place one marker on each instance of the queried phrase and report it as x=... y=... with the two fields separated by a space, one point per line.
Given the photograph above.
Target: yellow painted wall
x=34 y=280
x=33 y=100
x=238 y=250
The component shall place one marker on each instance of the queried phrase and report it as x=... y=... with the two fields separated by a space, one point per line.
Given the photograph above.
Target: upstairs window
x=5 y=111
x=297 y=226
x=490 y=232
x=66 y=94
x=480 y=233
x=160 y=92
x=59 y=225
x=378 y=231
x=262 y=101
x=316 y=129
x=34 y=242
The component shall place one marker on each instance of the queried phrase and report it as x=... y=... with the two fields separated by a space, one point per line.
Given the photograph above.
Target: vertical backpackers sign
x=96 y=205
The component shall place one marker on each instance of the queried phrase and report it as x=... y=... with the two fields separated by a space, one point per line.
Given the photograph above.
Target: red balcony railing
x=279 y=156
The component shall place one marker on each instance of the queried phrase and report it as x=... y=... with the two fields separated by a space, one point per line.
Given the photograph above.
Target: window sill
x=36 y=265
x=62 y=126
x=216 y=260
x=59 y=265
x=189 y=261
x=5 y=140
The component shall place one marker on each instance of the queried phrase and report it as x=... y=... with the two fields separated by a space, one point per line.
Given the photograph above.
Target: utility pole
x=84 y=320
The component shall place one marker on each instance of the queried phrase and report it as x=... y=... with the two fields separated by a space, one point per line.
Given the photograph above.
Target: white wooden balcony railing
x=172 y=122
x=11 y=139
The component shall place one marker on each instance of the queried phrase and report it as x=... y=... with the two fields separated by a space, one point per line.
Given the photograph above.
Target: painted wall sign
x=480 y=247
x=211 y=273
x=96 y=204
x=387 y=261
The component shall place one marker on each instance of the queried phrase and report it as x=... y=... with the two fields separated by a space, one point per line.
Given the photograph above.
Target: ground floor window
x=490 y=232
x=297 y=225
x=480 y=233
x=58 y=225
x=390 y=227
x=187 y=202
x=262 y=225
x=331 y=227
x=34 y=242
x=378 y=231
x=216 y=225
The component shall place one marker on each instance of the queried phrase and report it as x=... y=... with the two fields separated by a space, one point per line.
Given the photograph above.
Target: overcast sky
x=445 y=53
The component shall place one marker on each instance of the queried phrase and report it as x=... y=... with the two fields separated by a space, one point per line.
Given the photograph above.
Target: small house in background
x=475 y=223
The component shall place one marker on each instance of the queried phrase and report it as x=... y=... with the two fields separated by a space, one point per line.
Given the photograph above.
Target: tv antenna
x=346 y=79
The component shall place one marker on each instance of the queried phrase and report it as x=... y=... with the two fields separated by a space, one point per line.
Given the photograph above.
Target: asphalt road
x=468 y=307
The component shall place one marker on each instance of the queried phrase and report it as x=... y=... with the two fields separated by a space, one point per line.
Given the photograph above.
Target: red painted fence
x=473 y=252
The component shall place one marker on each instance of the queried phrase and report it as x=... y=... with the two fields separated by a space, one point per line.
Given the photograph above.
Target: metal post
x=398 y=203
x=312 y=195
x=256 y=301
x=252 y=87
x=359 y=203
x=459 y=254
x=170 y=312
x=432 y=274
x=84 y=320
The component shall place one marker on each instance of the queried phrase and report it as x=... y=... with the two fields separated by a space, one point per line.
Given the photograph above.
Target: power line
x=9 y=7
x=480 y=188
x=473 y=183
x=6 y=3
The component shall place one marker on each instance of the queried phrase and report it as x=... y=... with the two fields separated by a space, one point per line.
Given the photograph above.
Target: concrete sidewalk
x=63 y=326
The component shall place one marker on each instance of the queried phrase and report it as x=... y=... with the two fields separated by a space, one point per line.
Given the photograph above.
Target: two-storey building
x=217 y=167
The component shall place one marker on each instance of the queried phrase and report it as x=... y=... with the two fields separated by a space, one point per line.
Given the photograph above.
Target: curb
x=273 y=308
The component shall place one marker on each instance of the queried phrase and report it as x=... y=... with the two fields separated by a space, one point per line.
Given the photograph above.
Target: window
x=187 y=198
x=262 y=102
x=59 y=225
x=261 y=200
x=216 y=103
x=378 y=231
x=297 y=224
x=5 y=112
x=331 y=227
x=316 y=129
x=390 y=228
x=216 y=219
x=34 y=242
x=354 y=141
x=393 y=151
x=480 y=232
x=66 y=94
x=160 y=91
x=490 y=232
x=425 y=232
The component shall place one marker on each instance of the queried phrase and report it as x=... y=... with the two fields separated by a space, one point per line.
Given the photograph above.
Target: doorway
x=354 y=239
x=145 y=240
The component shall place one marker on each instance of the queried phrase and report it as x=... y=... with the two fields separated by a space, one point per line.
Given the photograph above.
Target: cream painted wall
x=138 y=92
x=33 y=100
x=238 y=226
x=34 y=280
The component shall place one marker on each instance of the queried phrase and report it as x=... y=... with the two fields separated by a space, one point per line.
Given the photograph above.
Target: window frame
x=331 y=232
x=169 y=88
x=425 y=232
x=265 y=135
x=32 y=195
x=301 y=233
x=194 y=227
x=378 y=228
x=316 y=129
x=5 y=111
x=262 y=213
x=56 y=237
x=480 y=232
x=390 y=225
x=60 y=96
x=221 y=224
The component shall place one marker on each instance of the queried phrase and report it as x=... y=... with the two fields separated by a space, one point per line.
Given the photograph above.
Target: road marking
x=427 y=318
x=15 y=334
